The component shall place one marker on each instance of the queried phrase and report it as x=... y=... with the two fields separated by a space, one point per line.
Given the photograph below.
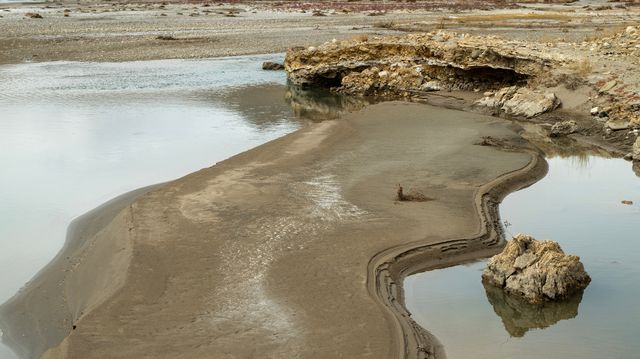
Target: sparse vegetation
x=582 y=68
x=385 y=24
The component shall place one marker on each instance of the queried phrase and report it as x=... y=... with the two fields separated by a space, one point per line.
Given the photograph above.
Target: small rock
x=33 y=15
x=563 y=128
x=617 y=125
x=273 y=66
x=608 y=86
x=431 y=86
x=627 y=202
x=537 y=271
x=595 y=110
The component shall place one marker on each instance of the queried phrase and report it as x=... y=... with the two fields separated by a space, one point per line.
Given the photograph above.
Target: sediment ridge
x=388 y=269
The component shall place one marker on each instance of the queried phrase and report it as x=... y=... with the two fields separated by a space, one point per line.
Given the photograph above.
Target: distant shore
x=128 y=31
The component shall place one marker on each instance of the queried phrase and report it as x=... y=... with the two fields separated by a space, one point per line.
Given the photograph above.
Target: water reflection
x=519 y=316
x=263 y=106
x=74 y=135
x=317 y=104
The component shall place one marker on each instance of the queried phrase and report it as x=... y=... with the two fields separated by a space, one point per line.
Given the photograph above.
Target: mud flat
x=291 y=249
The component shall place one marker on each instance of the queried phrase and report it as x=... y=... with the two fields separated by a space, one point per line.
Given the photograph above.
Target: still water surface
x=579 y=205
x=75 y=135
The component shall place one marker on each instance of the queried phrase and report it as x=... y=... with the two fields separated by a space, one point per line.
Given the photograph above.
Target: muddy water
x=74 y=135
x=579 y=205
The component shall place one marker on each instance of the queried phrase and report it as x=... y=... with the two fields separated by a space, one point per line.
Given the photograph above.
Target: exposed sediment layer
x=271 y=251
x=415 y=62
x=388 y=269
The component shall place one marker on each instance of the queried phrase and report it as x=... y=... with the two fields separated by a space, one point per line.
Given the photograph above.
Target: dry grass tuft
x=582 y=68
x=362 y=38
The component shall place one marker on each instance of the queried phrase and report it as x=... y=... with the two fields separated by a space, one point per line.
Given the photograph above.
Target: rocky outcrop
x=563 y=128
x=538 y=271
x=521 y=101
x=417 y=62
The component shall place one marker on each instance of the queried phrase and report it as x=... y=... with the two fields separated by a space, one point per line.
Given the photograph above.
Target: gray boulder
x=537 y=271
x=617 y=125
x=521 y=101
x=563 y=128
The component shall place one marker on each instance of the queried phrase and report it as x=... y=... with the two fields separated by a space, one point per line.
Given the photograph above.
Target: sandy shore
x=296 y=247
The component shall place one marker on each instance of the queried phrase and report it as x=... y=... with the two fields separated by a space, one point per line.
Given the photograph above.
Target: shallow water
x=579 y=205
x=74 y=135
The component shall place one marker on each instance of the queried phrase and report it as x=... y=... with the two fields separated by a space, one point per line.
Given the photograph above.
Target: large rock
x=521 y=101
x=635 y=152
x=538 y=271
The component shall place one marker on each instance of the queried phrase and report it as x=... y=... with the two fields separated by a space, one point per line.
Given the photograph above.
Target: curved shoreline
x=49 y=280
x=330 y=134
x=391 y=266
